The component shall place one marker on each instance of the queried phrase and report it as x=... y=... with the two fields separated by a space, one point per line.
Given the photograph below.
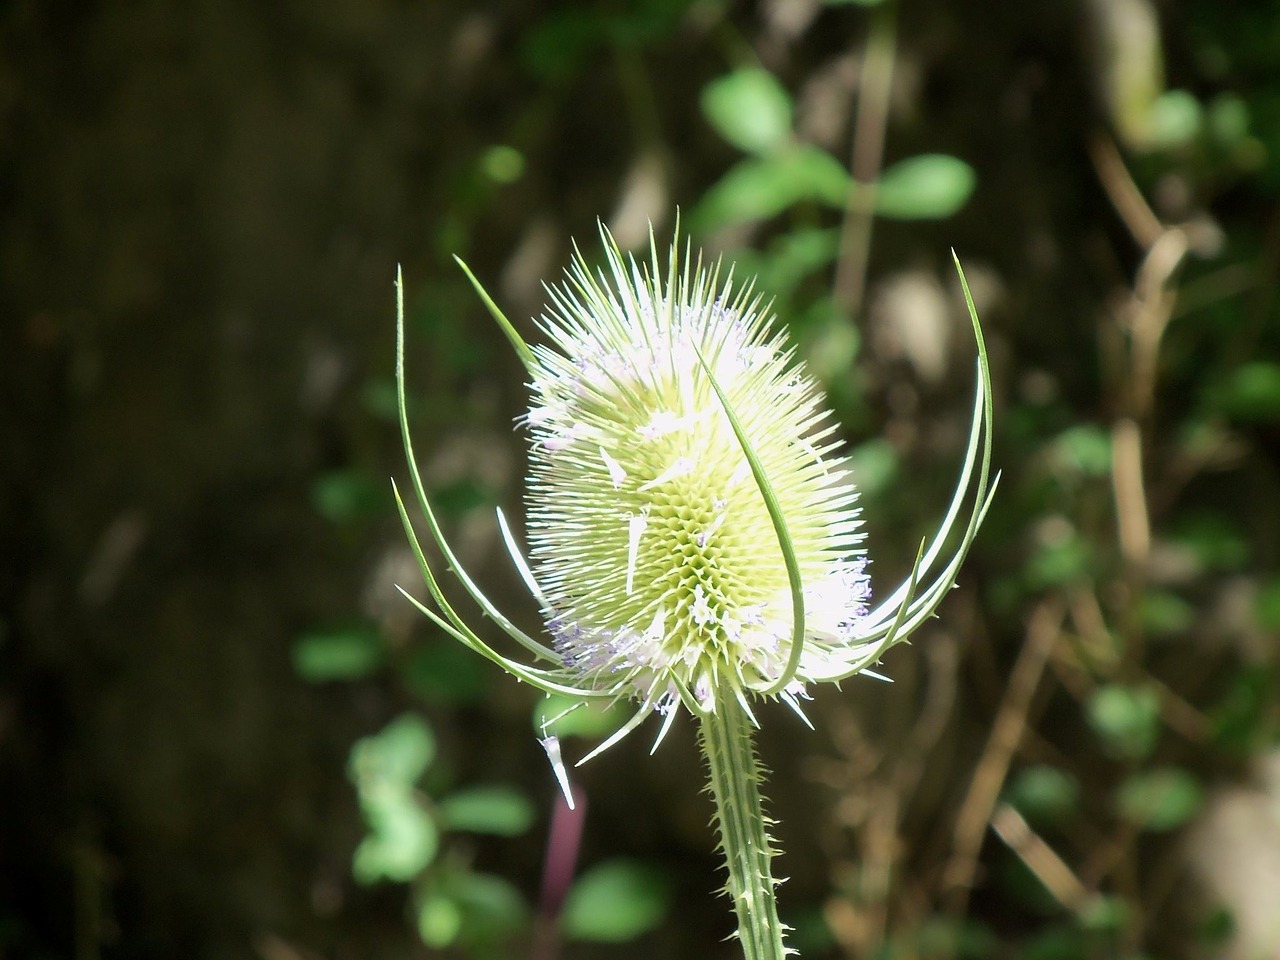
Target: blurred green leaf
x=1061 y=561
x=1175 y=119
x=874 y=465
x=498 y=810
x=1252 y=394
x=750 y=109
x=794 y=257
x=345 y=495
x=446 y=673
x=1126 y=720
x=762 y=187
x=1044 y=795
x=461 y=496
x=399 y=754
x=1159 y=799
x=502 y=164
x=1267 y=606
x=1084 y=449
x=1240 y=718
x=1213 y=539
x=927 y=187
x=1105 y=913
x=852 y=3
x=402 y=840
x=1228 y=119
x=439 y=920
x=342 y=654
x=492 y=909
x=616 y=901
x=1166 y=614
x=1057 y=943
x=378 y=399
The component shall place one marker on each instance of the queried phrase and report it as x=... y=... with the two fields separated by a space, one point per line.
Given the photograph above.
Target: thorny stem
x=727 y=741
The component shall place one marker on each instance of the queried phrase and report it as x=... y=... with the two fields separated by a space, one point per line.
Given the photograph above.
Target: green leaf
x=1214 y=540
x=616 y=901
x=1252 y=395
x=1267 y=606
x=927 y=187
x=874 y=465
x=1084 y=450
x=1165 y=614
x=1104 y=913
x=1044 y=795
x=492 y=909
x=1175 y=119
x=446 y=673
x=439 y=920
x=399 y=754
x=750 y=109
x=497 y=810
x=1160 y=799
x=1240 y=723
x=502 y=164
x=402 y=840
x=762 y=187
x=1126 y=719
x=1066 y=559
x=341 y=496
x=343 y=654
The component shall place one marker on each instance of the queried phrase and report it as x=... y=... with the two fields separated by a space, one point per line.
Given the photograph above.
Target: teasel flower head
x=694 y=533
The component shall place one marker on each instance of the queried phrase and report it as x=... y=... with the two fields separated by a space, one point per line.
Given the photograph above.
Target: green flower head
x=693 y=531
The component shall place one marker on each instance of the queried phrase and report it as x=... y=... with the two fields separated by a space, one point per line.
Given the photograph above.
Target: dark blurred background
x=202 y=654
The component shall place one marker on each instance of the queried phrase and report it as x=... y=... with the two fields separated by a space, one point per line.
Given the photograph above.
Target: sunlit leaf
x=926 y=187
x=493 y=809
x=399 y=754
x=750 y=109
x=762 y=187
x=402 y=838
x=439 y=920
x=1175 y=119
x=615 y=902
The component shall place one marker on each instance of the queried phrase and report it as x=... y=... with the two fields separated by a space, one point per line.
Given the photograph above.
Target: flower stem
x=727 y=740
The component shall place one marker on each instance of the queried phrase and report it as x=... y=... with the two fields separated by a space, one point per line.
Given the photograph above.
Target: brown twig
x=989 y=775
x=875 y=82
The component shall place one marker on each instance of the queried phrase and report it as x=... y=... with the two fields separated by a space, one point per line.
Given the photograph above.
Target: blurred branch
x=875 y=83
x=1041 y=859
x=1043 y=631
x=1123 y=192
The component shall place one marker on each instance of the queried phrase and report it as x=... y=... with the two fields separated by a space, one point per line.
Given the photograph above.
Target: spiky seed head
x=658 y=561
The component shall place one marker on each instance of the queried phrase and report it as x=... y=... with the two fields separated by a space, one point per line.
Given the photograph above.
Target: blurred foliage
x=204 y=207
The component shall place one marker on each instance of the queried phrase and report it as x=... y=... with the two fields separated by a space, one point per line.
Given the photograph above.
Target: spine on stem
x=728 y=742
